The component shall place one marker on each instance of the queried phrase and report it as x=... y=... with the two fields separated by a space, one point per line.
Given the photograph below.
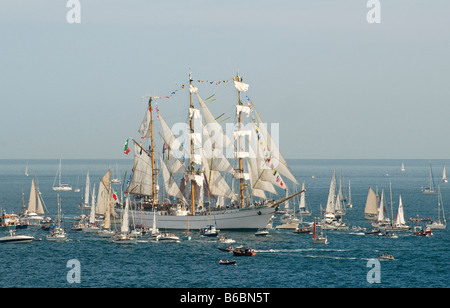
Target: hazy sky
x=339 y=86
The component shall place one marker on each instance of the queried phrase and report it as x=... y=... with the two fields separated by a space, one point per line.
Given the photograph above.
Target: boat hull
x=253 y=218
x=16 y=239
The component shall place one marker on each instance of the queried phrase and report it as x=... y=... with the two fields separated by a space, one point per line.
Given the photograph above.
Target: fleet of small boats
x=207 y=171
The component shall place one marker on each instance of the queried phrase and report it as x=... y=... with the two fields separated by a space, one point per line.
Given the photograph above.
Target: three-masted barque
x=205 y=167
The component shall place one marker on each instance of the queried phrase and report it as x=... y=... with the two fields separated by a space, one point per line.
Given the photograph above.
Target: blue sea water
x=284 y=259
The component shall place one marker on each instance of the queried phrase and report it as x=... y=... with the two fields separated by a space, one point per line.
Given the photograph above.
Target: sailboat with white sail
x=124 y=237
x=430 y=189
x=371 y=209
x=444 y=175
x=438 y=224
x=57 y=234
x=33 y=213
x=207 y=169
x=60 y=187
x=399 y=224
x=303 y=210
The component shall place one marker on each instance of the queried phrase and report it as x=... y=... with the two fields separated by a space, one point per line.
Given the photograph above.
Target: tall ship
x=209 y=177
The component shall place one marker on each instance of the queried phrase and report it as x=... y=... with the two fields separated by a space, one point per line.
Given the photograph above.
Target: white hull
x=16 y=239
x=62 y=188
x=436 y=226
x=57 y=238
x=252 y=218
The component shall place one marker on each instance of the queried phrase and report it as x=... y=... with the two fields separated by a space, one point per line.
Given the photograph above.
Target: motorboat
x=228 y=249
x=421 y=231
x=386 y=257
x=261 y=232
x=226 y=240
x=16 y=238
x=244 y=251
x=167 y=237
x=303 y=230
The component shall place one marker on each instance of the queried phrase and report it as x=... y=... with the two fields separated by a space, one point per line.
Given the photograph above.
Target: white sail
x=40 y=209
x=331 y=195
x=302 y=204
x=216 y=183
x=444 y=175
x=86 y=190
x=92 y=214
x=371 y=203
x=144 y=129
x=32 y=200
x=125 y=220
x=141 y=180
x=275 y=156
x=400 y=220
x=381 y=208
x=104 y=190
x=170 y=184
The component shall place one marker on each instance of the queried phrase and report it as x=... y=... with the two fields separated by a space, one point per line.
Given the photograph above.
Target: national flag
x=126 y=149
x=115 y=195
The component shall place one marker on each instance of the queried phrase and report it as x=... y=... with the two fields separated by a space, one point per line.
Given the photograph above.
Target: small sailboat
x=403 y=167
x=444 y=175
x=349 y=203
x=318 y=239
x=371 y=209
x=85 y=204
x=116 y=180
x=60 y=187
x=399 y=224
x=438 y=224
x=58 y=234
x=302 y=208
x=430 y=189
x=35 y=206
x=124 y=237
x=91 y=227
x=209 y=231
x=26 y=170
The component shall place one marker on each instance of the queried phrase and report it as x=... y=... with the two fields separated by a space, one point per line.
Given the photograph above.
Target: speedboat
x=302 y=230
x=226 y=240
x=385 y=257
x=420 y=231
x=167 y=237
x=244 y=251
x=262 y=232
x=15 y=238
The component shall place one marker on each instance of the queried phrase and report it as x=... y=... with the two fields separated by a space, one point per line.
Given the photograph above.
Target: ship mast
x=152 y=151
x=191 y=125
x=241 y=169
